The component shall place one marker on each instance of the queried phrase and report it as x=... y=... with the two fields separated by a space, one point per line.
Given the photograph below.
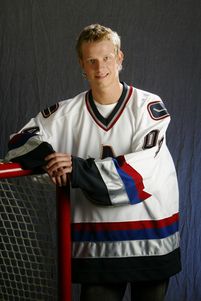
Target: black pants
x=140 y=291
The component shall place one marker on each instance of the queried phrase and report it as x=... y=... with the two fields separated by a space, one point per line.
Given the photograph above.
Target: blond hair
x=96 y=33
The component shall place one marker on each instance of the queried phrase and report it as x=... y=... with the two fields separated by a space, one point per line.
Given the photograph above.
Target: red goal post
x=35 y=261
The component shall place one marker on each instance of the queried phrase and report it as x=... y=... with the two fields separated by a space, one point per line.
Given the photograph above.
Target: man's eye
x=92 y=61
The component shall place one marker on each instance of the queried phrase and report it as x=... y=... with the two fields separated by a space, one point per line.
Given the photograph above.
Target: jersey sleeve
x=130 y=178
x=29 y=146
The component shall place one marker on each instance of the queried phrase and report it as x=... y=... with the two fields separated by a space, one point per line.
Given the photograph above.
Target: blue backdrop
x=161 y=41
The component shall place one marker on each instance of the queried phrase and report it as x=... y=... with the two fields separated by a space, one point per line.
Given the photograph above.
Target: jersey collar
x=107 y=123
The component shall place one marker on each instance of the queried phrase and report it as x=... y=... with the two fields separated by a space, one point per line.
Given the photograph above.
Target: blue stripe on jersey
x=124 y=235
x=129 y=184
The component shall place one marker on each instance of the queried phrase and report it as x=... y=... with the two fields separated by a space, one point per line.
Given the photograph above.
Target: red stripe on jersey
x=143 y=195
x=133 y=225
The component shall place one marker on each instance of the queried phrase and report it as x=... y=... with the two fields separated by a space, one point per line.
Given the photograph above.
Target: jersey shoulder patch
x=50 y=110
x=157 y=110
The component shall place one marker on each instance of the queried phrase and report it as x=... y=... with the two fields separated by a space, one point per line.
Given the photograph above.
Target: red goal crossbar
x=11 y=170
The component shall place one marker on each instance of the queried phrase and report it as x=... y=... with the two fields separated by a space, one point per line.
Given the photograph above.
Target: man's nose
x=100 y=64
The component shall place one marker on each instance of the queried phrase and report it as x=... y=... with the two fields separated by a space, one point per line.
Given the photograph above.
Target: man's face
x=100 y=63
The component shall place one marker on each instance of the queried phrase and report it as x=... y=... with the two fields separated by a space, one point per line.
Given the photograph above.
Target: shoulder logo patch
x=49 y=111
x=157 y=110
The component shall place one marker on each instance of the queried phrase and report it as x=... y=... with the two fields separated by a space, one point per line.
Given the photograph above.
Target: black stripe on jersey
x=35 y=159
x=86 y=176
x=19 y=140
x=145 y=268
x=107 y=123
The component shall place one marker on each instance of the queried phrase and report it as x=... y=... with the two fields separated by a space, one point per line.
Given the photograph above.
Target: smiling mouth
x=102 y=76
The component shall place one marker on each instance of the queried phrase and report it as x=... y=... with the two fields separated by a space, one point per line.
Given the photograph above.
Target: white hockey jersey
x=124 y=192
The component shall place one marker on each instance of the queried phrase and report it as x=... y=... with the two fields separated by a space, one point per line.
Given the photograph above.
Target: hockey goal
x=34 y=237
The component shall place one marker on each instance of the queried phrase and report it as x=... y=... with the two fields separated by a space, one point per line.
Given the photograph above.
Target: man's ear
x=120 y=57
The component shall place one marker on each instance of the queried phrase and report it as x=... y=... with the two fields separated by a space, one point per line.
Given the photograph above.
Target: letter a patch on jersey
x=157 y=110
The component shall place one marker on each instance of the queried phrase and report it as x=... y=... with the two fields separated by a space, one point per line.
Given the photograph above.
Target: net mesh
x=28 y=253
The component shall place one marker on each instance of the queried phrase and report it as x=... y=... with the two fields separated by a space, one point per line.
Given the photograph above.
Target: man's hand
x=58 y=167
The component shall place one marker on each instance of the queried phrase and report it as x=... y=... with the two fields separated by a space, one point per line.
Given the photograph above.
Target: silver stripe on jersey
x=155 y=247
x=113 y=182
x=32 y=144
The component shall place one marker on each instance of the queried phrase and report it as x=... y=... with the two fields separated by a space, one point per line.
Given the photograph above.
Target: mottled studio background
x=161 y=41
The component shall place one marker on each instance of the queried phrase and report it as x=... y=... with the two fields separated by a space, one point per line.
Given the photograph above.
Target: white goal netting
x=28 y=252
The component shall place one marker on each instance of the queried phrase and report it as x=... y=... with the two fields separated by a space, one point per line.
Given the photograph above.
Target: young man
x=110 y=144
